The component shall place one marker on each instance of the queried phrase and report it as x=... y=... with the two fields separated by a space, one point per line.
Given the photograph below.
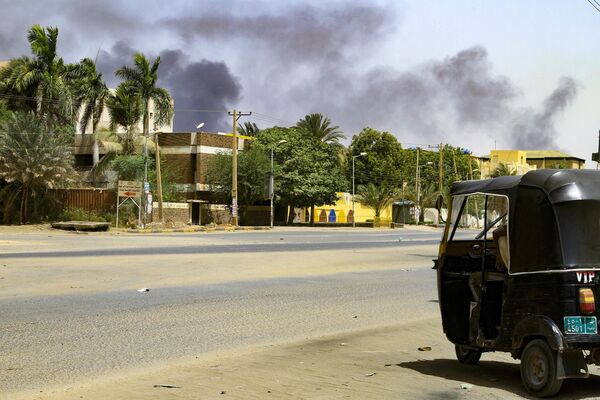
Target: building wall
x=342 y=209
x=523 y=161
x=104 y=122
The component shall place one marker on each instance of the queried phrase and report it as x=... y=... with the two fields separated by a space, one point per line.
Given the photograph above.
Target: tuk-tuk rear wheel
x=466 y=355
x=538 y=369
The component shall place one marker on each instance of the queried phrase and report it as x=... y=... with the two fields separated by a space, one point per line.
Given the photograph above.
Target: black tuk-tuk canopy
x=554 y=217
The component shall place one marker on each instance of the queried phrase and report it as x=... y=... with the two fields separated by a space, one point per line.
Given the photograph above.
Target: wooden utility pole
x=234 y=192
x=441 y=168
x=158 y=178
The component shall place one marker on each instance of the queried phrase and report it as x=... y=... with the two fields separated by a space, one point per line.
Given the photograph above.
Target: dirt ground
x=377 y=364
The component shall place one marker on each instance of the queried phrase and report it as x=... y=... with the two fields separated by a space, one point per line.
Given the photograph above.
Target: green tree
x=140 y=81
x=428 y=193
x=125 y=109
x=32 y=161
x=92 y=94
x=248 y=129
x=253 y=169
x=375 y=197
x=307 y=172
x=502 y=170
x=320 y=128
x=44 y=83
x=382 y=165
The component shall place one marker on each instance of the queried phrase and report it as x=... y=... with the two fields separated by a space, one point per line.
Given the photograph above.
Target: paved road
x=60 y=339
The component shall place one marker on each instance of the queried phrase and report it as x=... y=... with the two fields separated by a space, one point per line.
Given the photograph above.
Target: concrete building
x=522 y=161
x=104 y=123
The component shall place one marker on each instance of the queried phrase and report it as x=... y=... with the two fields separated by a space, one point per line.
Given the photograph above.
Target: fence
x=90 y=200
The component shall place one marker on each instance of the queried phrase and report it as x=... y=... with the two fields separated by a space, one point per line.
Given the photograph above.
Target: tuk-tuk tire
x=466 y=355
x=538 y=352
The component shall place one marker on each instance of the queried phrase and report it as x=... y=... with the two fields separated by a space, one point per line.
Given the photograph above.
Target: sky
x=475 y=74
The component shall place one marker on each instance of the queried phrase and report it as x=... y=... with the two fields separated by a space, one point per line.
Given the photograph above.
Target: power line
x=594 y=4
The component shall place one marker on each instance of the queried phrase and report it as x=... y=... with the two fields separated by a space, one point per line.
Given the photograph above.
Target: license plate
x=581 y=325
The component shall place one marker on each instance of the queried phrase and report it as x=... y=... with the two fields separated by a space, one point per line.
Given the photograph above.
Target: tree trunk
x=95 y=151
x=312 y=215
x=291 y=214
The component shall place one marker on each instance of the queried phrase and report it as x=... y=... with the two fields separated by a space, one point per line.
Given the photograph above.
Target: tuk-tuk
x=518 y=271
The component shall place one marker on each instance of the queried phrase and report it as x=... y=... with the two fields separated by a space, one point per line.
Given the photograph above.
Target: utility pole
x=417 y=190
x=158 y=178
x=234 y=193
x=441 y=167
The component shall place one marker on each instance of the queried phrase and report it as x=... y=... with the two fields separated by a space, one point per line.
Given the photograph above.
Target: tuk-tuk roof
x=559 y=184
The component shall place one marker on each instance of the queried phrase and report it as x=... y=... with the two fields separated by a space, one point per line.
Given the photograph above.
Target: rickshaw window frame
x=486 y=194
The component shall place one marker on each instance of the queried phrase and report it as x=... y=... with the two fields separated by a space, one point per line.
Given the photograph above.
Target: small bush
x=79 y=214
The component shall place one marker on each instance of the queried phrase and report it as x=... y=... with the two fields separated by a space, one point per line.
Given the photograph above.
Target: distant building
x=104 y=123
x=522 y=161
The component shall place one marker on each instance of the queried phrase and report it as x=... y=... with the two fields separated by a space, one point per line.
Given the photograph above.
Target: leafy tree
x=248 y=129
x=253 y=169
x=140 y=81
x=44 y=83
x=502 y=170
x=92 y=94
x=319 y=127
x=383 y=164
x=125 y=109
x=32 y=160
x=375 y=197
x=307 y=172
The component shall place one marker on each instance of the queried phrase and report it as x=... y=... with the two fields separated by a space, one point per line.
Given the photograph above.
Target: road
x=303 y=284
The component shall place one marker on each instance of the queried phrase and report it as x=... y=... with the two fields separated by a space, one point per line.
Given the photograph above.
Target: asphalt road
x=52 y=340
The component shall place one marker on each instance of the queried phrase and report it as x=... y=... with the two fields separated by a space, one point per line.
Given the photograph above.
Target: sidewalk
x=191 y=229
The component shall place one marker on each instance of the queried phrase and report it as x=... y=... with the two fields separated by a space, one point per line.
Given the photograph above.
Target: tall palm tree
x=319 y=127
x=248 y=129
x=44 y=83
x=31 y=161
x=141 y=79
x=91 y=94
x=125 y=109
x=375 y=197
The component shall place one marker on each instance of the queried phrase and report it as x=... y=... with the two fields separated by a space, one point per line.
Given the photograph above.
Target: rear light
x=587 y=303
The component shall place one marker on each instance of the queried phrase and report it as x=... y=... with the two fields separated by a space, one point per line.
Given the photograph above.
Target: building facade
x=522 y=161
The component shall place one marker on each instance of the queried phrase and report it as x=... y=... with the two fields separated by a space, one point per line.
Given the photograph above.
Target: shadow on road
x=499 y=375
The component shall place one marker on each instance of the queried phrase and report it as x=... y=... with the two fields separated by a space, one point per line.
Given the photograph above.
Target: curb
x=220 y=228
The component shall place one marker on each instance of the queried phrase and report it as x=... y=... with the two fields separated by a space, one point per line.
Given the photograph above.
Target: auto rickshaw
x=518 y=271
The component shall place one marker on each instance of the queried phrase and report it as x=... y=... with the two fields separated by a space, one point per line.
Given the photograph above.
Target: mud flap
x=571 y=364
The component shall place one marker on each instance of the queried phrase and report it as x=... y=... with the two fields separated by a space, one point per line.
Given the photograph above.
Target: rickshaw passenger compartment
x=461 y=279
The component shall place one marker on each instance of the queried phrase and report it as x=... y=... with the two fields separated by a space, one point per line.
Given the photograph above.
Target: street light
x=272 y=183
x=418 y=214
x=200 y=125
x=353 y=214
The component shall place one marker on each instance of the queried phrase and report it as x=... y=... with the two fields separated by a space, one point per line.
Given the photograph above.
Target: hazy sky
x=523 y=73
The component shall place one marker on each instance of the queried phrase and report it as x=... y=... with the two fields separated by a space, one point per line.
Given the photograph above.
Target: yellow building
x=341 y=212
x=522 y=161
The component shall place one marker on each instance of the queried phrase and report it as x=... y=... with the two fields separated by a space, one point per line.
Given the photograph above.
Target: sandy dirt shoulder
x=384 y=363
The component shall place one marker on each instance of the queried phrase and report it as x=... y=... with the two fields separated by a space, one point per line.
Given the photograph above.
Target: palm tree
x=428 y=194
x=125 y=109
x=375 y=197
x=91 y=94
x=502 y=170
x=141 y=80
x=320 y=128
x=44 y=83
x=31 y=161
x=248 y=129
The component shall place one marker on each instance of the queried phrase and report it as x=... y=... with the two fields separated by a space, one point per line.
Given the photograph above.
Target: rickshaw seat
x=490 y=276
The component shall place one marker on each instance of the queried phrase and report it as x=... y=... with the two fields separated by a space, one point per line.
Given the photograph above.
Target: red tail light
x=587 y=303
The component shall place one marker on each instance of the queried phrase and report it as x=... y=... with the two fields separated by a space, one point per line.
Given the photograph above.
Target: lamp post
x=272 y=183
x=353 y=214
x=419 y=190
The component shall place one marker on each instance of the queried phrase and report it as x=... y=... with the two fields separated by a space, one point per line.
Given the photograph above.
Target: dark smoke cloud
x=202 y=85
x=535 y=129
x=302 y=34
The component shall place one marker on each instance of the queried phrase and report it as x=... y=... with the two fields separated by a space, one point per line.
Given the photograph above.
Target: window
x=473 y=222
